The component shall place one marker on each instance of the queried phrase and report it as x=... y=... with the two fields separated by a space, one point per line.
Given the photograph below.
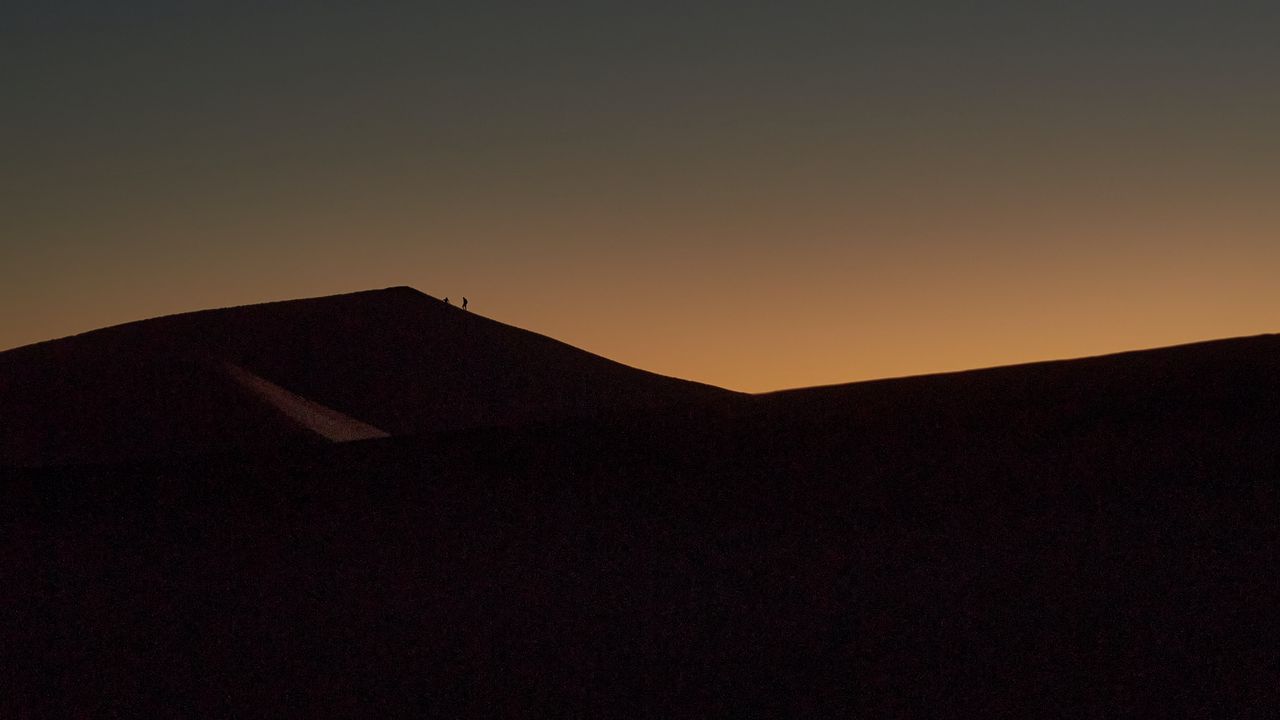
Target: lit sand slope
x=324 y=421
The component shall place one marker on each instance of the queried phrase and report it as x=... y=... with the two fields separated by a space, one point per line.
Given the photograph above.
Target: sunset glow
x=753 y=197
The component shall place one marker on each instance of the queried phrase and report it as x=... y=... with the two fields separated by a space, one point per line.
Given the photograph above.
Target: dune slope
x=1082 y=538
x=395 y=360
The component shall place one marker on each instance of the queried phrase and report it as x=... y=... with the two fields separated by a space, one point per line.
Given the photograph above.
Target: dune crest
x=320 y=419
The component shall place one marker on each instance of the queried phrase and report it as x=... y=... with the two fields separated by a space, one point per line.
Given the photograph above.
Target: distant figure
x=464 y=302
x=446 y=301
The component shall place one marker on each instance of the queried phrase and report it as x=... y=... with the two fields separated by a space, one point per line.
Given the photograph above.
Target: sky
x=755 y=195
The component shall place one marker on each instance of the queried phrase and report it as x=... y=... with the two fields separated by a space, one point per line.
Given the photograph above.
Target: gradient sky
x=756 y=195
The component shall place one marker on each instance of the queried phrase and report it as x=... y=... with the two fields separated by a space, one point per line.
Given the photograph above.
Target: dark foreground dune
x=396 y=360
x=1092 y=538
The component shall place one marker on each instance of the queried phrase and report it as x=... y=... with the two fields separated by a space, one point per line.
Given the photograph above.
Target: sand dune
x=400 y=361
x=323 y=421
x=1088 y=538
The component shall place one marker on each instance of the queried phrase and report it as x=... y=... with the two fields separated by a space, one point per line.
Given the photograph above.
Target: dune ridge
x=323 y=421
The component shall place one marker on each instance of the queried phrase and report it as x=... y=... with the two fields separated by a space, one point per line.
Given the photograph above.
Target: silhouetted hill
x=393 y=360
x=1088 y=538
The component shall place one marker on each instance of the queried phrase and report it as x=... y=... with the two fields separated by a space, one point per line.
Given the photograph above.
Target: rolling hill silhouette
x=393 y=361
x=1091 y=537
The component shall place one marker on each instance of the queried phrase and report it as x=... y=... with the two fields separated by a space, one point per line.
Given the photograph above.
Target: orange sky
x=750 y=197
x=743 y=315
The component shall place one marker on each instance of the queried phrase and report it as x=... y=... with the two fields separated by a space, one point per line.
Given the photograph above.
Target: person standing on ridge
x=464 y=302
x=446 y=301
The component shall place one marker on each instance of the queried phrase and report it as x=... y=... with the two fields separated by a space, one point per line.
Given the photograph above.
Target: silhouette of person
x=446 y=301
x=464 y=302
